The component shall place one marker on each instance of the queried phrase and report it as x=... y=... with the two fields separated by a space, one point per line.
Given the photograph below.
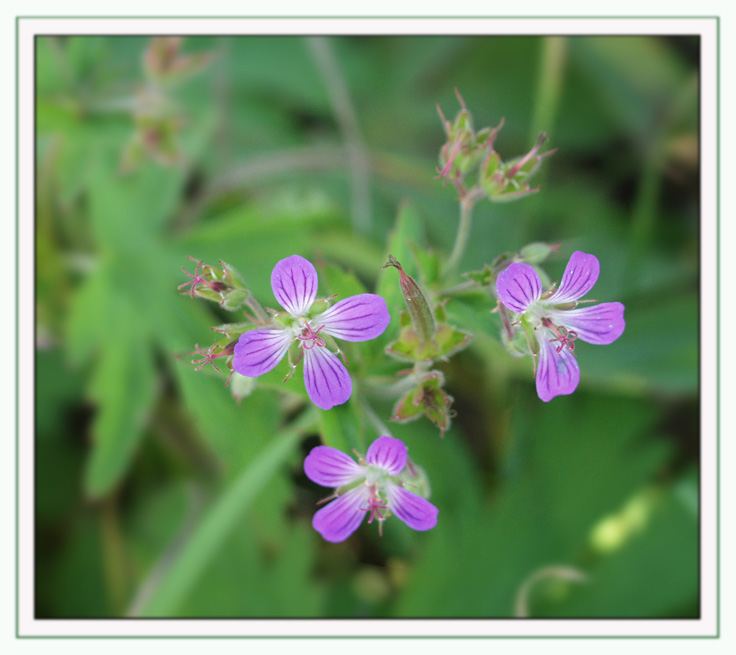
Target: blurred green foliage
x=158 y=494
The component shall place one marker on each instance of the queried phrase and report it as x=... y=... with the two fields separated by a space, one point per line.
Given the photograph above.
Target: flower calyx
x=504 y=181
x=429 y=399
x=224 y=286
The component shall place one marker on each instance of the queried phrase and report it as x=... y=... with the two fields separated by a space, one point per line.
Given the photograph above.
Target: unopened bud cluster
x=158 y=120
x=225 y=286
x=467 y=153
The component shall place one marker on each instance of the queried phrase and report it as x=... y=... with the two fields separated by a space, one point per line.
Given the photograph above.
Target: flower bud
x=241 y=386
x=420 y=312
x=163 y=61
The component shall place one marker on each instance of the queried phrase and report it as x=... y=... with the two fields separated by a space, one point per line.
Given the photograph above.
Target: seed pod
x=419 y=310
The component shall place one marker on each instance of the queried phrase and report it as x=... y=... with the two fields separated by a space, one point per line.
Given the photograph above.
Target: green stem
x=463 y=234
x=462 y=287
x=374 y=419
x=552 y=59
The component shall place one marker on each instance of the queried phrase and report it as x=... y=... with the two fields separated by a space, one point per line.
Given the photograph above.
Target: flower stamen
x=564 y=336
x=208 y=357
x=375 y=506
x=308 y=335
x=197 y=279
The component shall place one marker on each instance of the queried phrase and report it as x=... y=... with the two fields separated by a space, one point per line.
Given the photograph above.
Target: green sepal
x=450 y=340
x=426 y=399
x=208 y=294
x=531 y=335
x=318 y=306
x=234 y=300
x=446 y=341
x=233 y=329
x=232 y=276
x=483 y=277
x=491 y=165
x=415 y=477
x=513 y=192
x=284 y=319
x=537 y=252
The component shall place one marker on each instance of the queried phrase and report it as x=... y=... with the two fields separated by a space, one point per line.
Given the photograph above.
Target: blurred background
x=158 y=494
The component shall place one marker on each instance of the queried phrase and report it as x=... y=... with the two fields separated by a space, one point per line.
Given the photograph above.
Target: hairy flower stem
x=463 y=233
x=374 y=419
x=379 y=389
x=258 y=311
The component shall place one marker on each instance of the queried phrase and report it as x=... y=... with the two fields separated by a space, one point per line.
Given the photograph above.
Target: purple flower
x=378 y=492
x=358 y=318
x=554 y=321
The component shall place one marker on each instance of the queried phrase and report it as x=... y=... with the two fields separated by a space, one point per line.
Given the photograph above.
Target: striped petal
x=580 y=276
x=357 y=318
x=327 y=380
x=294 y=283
x=519 y=286
x=600 y=324
x=417 y=512
x=331 y=467
x=258 y=351
x=338 y=520
x=387 y=453
x=558 y=374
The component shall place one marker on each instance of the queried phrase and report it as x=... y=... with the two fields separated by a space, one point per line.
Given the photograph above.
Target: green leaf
x=343 y=428
x=664 y=555
x=556 y=485
x=221 y=519
x=340 y=282
x=408 y=229
x=123 y=386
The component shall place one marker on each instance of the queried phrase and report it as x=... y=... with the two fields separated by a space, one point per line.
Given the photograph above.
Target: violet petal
x=558 y=374
x=357 y=318
x=600 y=324
x=343 y=516
x=518 y=287
x=387 y=453
x=331 y=467
x=327 y=380
x=258 y=351
x=580 y=276
x=417 y=512
x=294 y=283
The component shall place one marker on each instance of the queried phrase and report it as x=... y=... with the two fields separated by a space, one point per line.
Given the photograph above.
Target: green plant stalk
x=552 y=57
x=257 y=310
x=227 y=512
x=321 y=49
x=463 y=234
